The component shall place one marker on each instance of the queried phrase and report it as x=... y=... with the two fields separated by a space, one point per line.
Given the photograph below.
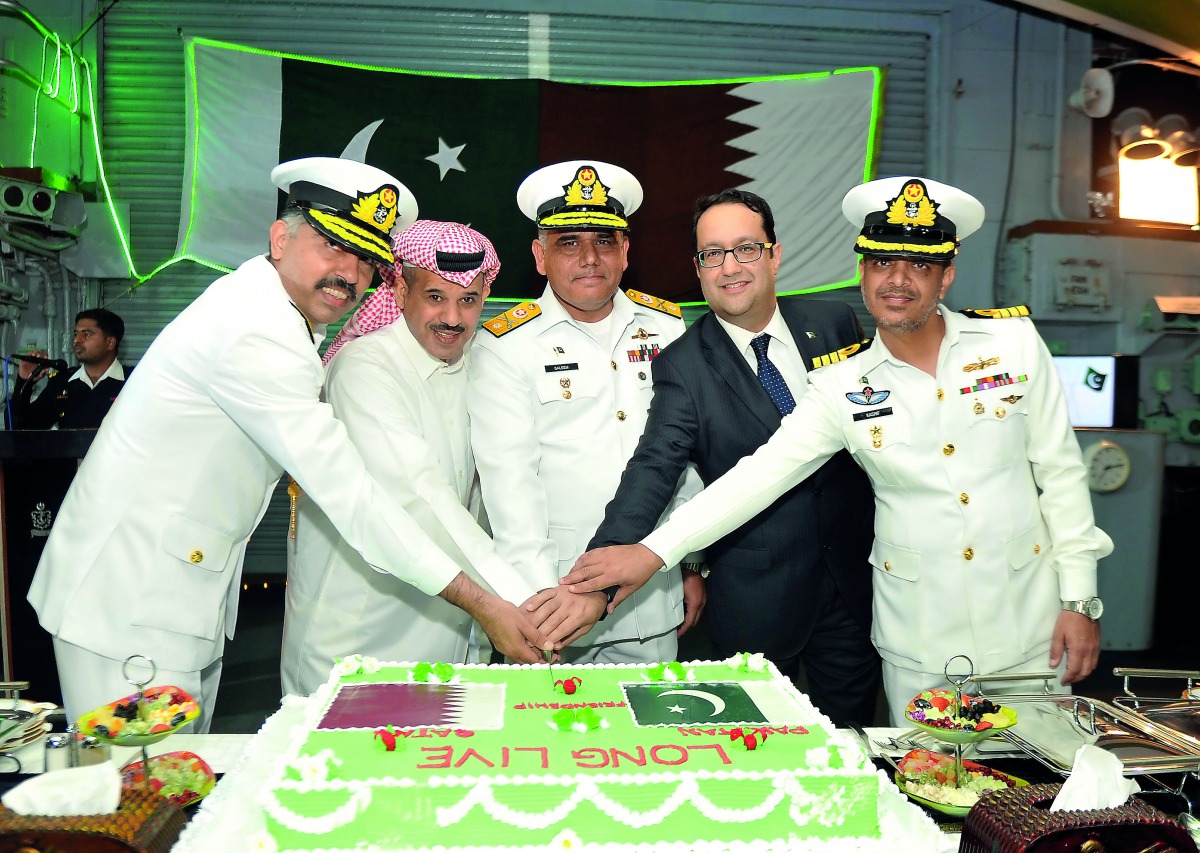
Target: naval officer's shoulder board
x=654 y=303
x=842 y=354
x=996 y=313
x=513 y=318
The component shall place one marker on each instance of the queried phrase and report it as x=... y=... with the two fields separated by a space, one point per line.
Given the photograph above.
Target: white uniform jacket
x=146 y=554
x=968 y=557
x=406 y=413
x=554 y=419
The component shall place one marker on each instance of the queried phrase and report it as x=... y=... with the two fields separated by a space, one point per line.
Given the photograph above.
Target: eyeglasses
x=747 y=253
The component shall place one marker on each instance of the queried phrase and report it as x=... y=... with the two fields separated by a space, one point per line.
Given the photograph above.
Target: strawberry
x=940 y=702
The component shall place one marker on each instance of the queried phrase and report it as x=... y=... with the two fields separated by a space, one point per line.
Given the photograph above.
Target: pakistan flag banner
x=682 y=704
x=464 y=144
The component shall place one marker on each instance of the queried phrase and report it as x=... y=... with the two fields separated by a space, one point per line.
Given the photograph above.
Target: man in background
x=146 y=555
x=558 y=393
x=81 y=399
x=793 y=583
x=400 y=391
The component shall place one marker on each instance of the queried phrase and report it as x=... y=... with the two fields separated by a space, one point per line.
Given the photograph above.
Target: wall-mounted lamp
x=1156 y=167
x=1137 y=136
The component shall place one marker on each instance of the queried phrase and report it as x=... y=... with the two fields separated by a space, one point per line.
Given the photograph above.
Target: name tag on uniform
x=877 y=413
x=559 y=368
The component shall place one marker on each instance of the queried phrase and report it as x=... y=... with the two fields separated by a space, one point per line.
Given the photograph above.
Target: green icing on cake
x=529 y=784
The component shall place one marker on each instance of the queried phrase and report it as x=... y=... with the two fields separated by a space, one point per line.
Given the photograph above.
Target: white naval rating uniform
x=969 y=557
x=555 y=415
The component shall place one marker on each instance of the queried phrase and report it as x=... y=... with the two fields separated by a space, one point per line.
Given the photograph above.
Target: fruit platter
x=181 y=777
x=956 y=717
x=141 y=718
x=933 y=780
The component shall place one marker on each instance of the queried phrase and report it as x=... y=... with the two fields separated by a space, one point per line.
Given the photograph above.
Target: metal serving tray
x=1181 y=715
x=1051 y=727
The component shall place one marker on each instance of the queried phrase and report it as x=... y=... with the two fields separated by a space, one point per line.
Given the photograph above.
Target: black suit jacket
x=64 y=401
x=710 y=408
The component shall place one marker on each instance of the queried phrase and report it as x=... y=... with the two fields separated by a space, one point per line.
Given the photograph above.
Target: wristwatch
x=697 y=568
x=1092 y=608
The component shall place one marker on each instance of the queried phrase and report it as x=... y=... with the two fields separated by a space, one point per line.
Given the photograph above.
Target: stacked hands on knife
x=558 y=616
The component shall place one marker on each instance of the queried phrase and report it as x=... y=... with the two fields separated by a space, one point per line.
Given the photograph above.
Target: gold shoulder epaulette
x=841 y=354
x=996 y=313
x=504 y=323
x=654 y=302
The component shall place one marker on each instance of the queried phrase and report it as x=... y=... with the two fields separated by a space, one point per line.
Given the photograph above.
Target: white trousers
x=901 y=685
x=89 y=680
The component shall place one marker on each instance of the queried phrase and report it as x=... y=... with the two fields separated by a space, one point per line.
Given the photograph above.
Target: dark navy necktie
x=771 y=378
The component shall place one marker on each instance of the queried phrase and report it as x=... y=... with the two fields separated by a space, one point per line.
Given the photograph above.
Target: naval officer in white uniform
x=146 y=554
x=558 y=394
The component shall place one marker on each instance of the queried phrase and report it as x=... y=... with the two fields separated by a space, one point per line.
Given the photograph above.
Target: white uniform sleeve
x=803 y=443
x=1065 y=502
x=378 y=416
x=267 y=383
x=503 y=409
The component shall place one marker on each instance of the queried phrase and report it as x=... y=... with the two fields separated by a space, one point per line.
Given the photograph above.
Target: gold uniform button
x=620 y=416
x=968 y=553
x=196 y=556
x=614 y=364
x=887 y=567
x=1037 y=549
x=964 y=499
x=941 y=394
x=566 y=395
x=948 y=449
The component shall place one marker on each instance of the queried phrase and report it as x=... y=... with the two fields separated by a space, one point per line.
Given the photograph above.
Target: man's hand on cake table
x=624 y=566
x=695 y=596
x=1079 y=637
x=514 y=633
x=509 y=627
x=563 y=616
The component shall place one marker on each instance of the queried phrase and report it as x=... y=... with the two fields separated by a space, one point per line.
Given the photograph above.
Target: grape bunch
x=975 y=711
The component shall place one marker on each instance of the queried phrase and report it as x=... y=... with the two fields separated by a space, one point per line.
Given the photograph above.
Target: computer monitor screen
x=1101 y=390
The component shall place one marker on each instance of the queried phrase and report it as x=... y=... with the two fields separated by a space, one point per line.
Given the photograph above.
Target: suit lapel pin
x=812 y=336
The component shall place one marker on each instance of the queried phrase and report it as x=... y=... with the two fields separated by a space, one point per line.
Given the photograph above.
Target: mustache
x=896 y=291
x=339 y=282
x=446 y=327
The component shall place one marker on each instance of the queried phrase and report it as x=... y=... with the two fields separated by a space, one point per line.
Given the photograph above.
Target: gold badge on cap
x=586 y=188
x=377 y=209
x=913 y=206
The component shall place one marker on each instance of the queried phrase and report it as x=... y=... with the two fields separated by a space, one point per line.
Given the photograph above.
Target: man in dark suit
x=81 y=399
x=793 y=583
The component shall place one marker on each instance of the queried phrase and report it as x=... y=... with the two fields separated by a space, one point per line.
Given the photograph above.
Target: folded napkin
x=72 y=791
x=1095 y=782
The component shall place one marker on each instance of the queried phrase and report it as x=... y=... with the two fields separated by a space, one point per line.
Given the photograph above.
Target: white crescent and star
x=717 y=702
x=446 y=158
